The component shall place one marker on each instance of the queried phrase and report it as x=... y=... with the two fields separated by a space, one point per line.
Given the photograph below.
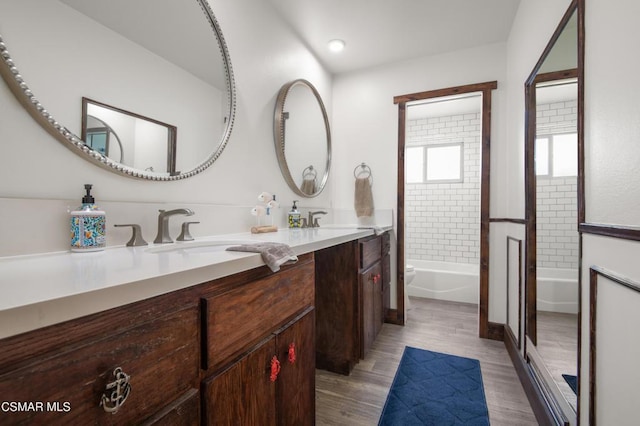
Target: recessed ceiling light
x=336 y=45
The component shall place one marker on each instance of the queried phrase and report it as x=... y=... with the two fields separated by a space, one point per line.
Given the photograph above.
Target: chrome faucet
x=163 y=224
x=313 y=223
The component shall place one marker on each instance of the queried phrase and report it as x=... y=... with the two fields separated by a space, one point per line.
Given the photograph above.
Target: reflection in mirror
x=302 y=138
x=175 y=68
x=143 y=143
x=99 y=136
x=556 y=159
x=552 y=296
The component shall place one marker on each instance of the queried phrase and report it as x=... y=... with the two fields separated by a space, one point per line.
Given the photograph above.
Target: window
x=557 y=155
x=434 y=163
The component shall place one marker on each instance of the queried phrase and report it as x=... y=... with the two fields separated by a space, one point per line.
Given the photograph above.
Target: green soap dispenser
x=294 y=217
x=88 y=225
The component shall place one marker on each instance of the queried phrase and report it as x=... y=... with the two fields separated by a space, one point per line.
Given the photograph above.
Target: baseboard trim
x=495 y=331
x=536 y=400
x=391 y=317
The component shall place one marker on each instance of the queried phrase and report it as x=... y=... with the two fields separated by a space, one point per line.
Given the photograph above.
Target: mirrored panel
x=175 y=68
x=557 y=251
x=552 y=182
x=302 y=138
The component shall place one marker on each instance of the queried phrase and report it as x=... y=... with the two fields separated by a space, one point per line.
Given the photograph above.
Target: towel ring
x=364 y=170
x=309 y=172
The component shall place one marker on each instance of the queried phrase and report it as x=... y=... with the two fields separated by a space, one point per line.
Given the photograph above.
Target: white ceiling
x=375 y=31
x=382 y=31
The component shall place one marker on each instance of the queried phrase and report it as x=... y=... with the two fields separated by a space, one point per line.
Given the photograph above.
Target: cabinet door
x=296 y=383
x=244 y=393
x=371 y=291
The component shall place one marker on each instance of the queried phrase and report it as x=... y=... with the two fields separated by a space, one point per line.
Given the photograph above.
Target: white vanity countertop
x=46 y=289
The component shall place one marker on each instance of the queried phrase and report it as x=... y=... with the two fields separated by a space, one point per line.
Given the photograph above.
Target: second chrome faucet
x=163 y=224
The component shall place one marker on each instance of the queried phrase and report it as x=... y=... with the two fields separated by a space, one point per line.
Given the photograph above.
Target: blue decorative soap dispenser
x=88 y=225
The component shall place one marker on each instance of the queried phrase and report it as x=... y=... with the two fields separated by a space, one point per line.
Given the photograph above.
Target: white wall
x=40 y=177
x=612 y=167
x=365 y=120
x=611 y=170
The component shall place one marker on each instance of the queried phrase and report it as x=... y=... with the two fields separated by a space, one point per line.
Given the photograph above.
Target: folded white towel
x=273 y=254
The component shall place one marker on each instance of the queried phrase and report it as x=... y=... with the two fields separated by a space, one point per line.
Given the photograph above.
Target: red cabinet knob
x=292 y=353
x=275 y=368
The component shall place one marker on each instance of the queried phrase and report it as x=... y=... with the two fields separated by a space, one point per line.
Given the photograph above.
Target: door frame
x=485 y=328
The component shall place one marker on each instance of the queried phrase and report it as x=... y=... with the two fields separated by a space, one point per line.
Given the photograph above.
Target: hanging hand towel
x=273 y=254
x=308 y=186
x=363 y=197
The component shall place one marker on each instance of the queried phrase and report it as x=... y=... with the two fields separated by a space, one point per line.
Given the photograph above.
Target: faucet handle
x=315 y=222
x=136 y=237
x=185 y=235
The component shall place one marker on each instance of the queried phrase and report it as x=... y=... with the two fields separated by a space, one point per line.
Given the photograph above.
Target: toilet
x=409 y=275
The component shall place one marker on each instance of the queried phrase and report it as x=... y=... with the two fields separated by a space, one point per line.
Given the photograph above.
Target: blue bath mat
x=432 y=388
x=572 y=381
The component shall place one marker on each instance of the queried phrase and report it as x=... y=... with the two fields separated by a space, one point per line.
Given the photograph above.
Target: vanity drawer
x=238 y=319
x=369 y=251
x=160 y=356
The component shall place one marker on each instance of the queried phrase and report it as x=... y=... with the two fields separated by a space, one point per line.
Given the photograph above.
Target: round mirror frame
x=21 y=90
x=279 y=137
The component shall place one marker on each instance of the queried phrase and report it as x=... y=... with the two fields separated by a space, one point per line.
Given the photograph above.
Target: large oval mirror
x=163 y=60
x=302 y=138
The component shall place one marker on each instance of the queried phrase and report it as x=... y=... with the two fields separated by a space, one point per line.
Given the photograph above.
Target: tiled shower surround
x=443 y=219
x=557 y=197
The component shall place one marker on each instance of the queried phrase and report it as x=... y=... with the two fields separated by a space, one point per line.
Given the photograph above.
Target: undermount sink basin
x=198 y=246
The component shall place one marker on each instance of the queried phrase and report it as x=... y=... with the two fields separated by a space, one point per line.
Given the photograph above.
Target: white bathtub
x=457 y=282
x=557 y=290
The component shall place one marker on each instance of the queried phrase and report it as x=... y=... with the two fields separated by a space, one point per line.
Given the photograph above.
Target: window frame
x=425 y=152
x=550 y=157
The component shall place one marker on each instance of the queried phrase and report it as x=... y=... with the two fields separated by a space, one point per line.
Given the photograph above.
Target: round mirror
x=162 y=60
x=302 y=138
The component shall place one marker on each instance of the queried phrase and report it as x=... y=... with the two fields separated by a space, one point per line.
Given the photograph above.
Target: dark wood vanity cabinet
x=65 y=373
x=351 y=297
x=202 y=355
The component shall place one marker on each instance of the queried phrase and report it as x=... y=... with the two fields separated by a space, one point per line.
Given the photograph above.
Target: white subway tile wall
x=443 y=219
x=557 y=197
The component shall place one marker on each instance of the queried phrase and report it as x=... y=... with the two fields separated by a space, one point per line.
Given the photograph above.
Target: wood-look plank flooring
x=439 y=326
x=558 y=347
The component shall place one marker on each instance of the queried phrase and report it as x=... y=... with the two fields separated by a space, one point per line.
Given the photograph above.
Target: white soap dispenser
x=88 y=225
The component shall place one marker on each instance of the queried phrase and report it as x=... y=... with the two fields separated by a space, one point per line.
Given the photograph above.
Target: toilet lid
x=409 y=268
